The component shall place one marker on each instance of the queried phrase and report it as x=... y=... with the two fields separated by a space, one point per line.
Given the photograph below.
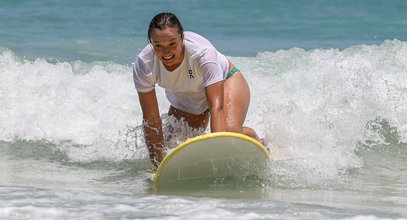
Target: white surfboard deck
x=220 y=154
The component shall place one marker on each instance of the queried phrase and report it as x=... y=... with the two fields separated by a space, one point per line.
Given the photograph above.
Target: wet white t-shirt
x=184 y=87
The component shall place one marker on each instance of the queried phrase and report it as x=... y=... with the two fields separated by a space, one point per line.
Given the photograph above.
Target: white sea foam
x=316 y=107
x=312 y=106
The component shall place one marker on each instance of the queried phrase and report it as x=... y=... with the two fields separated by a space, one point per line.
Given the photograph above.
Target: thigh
x=236 y=101
x=194 y=121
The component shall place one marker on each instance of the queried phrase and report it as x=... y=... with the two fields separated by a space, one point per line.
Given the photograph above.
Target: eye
x=157 y=45
x=172 y=44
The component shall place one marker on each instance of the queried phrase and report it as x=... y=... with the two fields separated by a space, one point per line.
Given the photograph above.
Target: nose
x=166 y=50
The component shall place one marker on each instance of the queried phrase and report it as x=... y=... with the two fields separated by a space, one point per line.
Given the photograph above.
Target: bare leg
x=194 y=121
x=237 y=99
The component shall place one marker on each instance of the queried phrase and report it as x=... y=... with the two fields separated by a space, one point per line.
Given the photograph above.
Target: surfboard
x=220 y=154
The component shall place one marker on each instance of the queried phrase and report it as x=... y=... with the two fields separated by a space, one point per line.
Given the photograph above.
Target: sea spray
x=318 y=106
x=315 y=108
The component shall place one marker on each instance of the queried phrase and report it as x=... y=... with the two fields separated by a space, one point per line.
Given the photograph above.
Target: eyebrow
x=168 y=41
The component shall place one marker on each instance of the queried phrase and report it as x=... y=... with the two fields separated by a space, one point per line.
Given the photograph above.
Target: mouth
x=168 y=58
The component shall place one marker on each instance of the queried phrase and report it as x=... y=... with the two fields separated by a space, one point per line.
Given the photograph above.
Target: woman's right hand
x=152 y=126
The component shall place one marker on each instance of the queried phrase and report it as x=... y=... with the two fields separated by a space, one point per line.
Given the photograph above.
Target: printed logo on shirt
x=191 y=76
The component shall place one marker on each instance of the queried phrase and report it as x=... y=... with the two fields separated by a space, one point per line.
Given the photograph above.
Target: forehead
x=164 y=35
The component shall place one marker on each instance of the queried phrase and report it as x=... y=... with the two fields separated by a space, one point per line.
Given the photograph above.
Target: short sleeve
x=143 y=77
x=210 y=67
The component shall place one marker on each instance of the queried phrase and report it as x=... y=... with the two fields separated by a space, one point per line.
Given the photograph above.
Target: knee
x=235 y=129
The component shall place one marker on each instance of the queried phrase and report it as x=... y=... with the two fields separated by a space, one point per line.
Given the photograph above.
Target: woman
x=200 y=83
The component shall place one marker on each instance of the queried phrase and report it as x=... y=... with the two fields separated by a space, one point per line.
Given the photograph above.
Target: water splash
x=315 y=108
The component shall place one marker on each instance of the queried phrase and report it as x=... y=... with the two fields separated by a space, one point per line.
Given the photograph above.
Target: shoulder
x=144 y=64
x=196 y=45
x=143 y=74
x=196 y=38
x=146 y=56
x=199 y=49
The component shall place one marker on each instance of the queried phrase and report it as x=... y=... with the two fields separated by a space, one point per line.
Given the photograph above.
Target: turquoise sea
x=329 y=94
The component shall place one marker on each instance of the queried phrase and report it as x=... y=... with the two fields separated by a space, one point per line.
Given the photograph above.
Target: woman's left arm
x=214 y=96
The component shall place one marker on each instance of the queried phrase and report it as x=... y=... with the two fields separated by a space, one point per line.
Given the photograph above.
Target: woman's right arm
x=152 y=126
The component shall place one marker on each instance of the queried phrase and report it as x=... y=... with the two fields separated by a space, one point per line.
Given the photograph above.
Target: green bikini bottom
x=233 y=71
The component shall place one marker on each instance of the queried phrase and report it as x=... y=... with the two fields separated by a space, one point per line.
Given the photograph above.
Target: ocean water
x=329 y=94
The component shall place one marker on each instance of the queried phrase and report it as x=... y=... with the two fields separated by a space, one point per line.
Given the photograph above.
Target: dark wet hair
x=164 y=20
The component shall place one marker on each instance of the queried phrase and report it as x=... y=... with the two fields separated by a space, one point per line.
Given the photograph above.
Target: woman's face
x=168 y=46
